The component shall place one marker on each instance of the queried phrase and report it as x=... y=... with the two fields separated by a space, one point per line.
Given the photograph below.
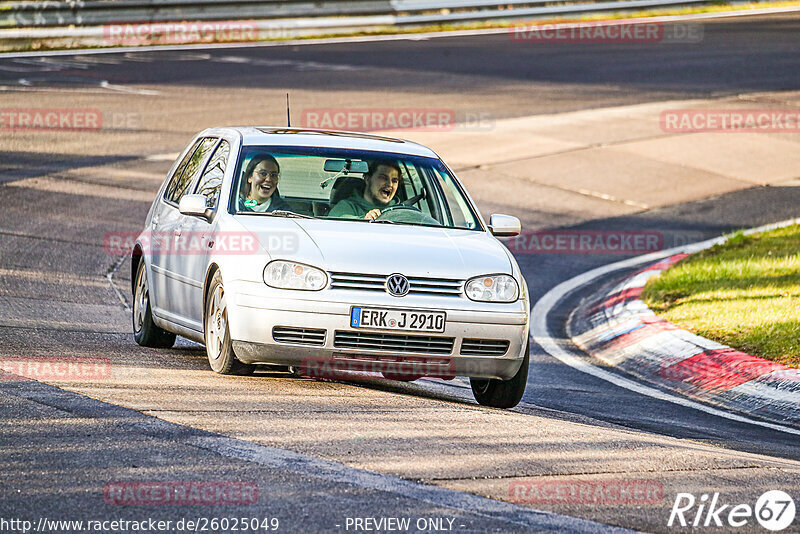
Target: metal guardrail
x=26 y=25
x=51 y=13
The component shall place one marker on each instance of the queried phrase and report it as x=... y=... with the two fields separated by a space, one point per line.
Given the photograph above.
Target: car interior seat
x=346 y=186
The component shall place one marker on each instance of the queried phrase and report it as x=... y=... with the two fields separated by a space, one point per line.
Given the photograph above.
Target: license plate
x=397 y=319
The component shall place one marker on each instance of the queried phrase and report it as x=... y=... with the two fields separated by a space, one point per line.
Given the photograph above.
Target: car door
x=177 y=247
x=200 y=231
x=164 y=216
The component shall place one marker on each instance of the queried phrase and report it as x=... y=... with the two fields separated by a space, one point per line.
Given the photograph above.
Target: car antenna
x=288 y=115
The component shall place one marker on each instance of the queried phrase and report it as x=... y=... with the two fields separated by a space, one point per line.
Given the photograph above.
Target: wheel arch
x=212 y=270
x=136 y=259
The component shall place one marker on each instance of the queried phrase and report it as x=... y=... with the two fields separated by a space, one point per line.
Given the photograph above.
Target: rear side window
x=211 y=181
x=188 y=169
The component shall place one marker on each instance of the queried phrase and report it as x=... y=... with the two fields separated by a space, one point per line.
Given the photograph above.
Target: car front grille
x=484 y=347
x=392 y=342
x=299 y=336
x=418 y=286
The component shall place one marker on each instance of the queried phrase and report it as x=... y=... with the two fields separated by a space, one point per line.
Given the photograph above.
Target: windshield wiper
x=383 y=221
x=289 y=214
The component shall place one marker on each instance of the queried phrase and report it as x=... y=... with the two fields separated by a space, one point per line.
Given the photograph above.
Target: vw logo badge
x=397 y=285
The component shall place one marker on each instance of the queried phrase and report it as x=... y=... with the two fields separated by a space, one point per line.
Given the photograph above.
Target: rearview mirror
x=195 y=205
x=504 y=225
x=339 y=165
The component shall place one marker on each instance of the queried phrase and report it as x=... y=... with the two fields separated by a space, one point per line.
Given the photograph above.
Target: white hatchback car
x=331 y=251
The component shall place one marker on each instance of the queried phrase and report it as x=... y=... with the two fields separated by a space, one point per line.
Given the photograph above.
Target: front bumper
x=254 y=310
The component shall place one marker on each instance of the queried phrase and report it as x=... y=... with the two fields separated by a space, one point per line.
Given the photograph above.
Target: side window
x=414 y=186
x=173 y=181
x=211 y=181
x=191 y=169
x=459 y=211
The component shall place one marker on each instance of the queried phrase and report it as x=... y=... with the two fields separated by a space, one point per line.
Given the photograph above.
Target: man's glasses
x=273 y=175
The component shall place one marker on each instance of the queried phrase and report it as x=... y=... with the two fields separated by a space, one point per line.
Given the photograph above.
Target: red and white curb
x=615 y=326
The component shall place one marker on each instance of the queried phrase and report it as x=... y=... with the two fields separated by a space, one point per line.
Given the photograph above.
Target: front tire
x=502 y=393
x=219 y=347
x=145 y=331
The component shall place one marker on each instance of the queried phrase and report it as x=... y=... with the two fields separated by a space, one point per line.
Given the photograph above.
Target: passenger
x=260 y=190
x=381 y=184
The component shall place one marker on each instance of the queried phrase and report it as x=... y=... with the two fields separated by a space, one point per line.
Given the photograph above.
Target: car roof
x=284 y=136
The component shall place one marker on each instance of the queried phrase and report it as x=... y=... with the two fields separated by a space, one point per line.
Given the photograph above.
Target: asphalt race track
x=323 y=453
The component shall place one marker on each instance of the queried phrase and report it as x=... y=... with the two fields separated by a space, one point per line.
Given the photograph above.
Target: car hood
x=371 y=248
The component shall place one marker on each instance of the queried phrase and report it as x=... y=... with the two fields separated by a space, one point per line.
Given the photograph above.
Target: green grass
x=744 y=293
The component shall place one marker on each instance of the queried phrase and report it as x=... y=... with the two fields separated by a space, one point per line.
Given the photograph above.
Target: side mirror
x=504 y=225
x=195 y=205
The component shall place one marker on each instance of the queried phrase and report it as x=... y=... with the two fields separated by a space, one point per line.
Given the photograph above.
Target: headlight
x=492 y=288
x=291 y=275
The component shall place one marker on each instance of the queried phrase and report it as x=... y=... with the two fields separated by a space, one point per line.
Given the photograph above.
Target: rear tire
x=217 y=335
x=502 y=393
x=145 y=331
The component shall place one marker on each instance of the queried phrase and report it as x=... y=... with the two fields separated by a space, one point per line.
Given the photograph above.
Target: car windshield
x=349 y=185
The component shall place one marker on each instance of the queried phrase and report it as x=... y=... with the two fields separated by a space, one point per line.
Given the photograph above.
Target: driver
x=381 y=183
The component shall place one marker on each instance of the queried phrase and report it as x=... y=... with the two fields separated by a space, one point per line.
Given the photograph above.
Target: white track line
x=543 y=307
x=392 y=37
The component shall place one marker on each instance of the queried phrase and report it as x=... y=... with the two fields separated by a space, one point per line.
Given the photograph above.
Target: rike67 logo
x=774 y=510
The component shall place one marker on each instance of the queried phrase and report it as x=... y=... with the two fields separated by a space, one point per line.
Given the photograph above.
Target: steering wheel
x=406 y=214
x=398 y=207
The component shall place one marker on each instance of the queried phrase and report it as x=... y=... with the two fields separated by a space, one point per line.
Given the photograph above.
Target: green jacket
x=355 y=207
